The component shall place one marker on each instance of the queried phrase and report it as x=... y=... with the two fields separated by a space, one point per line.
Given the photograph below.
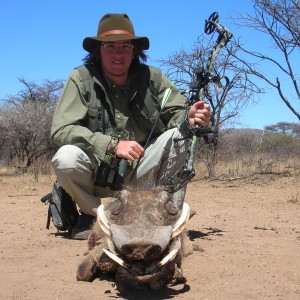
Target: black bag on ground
x=62 y=209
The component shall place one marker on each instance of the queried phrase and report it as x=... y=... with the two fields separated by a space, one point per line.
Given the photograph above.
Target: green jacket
x=85 y=114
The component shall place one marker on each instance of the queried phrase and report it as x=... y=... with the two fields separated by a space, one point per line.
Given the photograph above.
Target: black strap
x=48 y=218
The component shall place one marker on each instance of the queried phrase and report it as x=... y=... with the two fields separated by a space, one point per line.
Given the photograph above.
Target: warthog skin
x=141 y=234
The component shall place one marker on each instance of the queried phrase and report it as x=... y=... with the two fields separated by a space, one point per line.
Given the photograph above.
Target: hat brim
x=89 y=43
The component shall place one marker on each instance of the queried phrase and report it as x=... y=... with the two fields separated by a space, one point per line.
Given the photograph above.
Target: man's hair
x=94 y=56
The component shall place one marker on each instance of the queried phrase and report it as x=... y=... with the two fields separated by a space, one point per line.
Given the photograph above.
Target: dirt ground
x=247 y=231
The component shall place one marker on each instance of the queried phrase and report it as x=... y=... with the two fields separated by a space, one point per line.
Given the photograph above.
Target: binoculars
x=111 y=174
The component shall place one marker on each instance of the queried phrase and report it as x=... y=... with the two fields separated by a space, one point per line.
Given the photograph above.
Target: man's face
x=116 y=58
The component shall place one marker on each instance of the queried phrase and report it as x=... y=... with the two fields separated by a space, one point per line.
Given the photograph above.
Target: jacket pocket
x=94 y=119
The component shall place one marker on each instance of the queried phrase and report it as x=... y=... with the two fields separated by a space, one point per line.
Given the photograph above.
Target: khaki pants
x=76 y=171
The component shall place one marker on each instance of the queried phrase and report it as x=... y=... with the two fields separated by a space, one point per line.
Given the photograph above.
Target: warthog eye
x=170 y=208
x=116 y=207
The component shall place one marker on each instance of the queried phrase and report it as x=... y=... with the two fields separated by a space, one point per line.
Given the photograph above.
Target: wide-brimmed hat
x=115 y=27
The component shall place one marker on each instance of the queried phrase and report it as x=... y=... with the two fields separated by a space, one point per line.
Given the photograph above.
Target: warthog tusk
x=115 y=258
x=181 y=223
x=167 y=258
x=175 y=246
x=102 y=220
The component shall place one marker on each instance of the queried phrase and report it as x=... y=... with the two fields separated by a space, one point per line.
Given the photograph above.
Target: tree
x=282 y=140
x=25 y=122
x=292 y=129
x=278 y=20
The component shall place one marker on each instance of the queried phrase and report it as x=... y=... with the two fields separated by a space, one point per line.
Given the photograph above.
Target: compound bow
x=199 y=90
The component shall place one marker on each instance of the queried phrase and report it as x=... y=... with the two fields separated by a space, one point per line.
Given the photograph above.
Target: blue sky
x=43 y=39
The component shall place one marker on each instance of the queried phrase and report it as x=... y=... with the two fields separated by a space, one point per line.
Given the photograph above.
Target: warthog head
x=139 y=237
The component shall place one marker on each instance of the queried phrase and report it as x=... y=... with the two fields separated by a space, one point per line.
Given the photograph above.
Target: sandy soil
x=248 y=232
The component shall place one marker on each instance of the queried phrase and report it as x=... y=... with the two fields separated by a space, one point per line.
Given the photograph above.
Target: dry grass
x=34 y=171
x=236 y=168
x=248 y=166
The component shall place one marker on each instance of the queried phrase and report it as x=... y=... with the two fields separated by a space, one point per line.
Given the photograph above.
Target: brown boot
x=82 y=229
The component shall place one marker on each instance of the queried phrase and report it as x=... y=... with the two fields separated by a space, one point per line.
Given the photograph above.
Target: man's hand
x=130 y=150
x=199 y=114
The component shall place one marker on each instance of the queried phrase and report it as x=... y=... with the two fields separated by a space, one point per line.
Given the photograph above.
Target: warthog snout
x=141 y=252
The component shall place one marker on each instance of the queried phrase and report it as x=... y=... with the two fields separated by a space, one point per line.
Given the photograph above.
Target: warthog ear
x=170 y=208
x=116 y=207
x=119 y=202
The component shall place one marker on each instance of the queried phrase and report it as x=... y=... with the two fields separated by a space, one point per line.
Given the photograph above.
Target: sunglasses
x=113 y=48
